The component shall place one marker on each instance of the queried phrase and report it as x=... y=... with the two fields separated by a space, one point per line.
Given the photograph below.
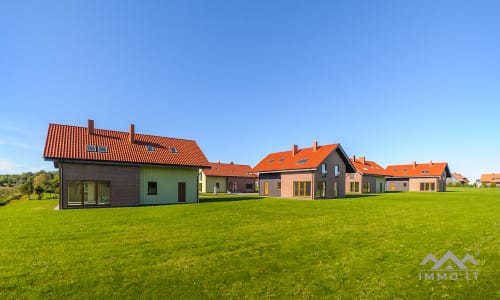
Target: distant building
x=457 y=178
x=231 y=177
x=368 y=178
x=310 y=173
x=427 y=177
x=488 y=179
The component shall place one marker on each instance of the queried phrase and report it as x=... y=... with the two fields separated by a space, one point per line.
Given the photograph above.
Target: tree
x=39 y=191
x=27 y=188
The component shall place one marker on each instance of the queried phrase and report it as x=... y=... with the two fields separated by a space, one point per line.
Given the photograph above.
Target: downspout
x=61 y=190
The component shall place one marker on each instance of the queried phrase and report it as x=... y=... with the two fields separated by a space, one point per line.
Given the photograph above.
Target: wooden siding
x=124 y=181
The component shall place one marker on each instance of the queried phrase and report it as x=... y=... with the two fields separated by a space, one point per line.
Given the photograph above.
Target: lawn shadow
x=229 y=199
x=355 y=196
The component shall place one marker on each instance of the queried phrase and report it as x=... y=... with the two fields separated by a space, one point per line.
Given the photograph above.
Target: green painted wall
x=167 y=179
x=210 y=182
x=380 y=181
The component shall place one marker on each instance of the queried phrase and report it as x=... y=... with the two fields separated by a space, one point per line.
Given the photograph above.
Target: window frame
x=150 y=188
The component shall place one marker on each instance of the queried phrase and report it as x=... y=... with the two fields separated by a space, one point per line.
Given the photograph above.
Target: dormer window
x=173 y=150
x=102 y=149
x=91 y=148
x=150 y=148
x=302 y=161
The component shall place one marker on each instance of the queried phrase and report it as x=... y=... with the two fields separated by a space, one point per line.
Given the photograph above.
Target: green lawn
x=365 y=247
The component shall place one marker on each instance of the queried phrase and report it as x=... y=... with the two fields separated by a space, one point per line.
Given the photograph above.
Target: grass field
x=365 y=247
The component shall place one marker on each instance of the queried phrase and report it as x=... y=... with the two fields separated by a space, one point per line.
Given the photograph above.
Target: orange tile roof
x=460 y=177
x=368 y=167
x=429 y=169
x=304 y=159
x=493 y=177
x=229 y=170
x=69 y=143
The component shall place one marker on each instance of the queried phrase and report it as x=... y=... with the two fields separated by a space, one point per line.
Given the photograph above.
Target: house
x=99 y=168
x=426 y=177
x=488 y=179
x=310 y=173
x=231 y=177
x=368 y=178
x=457 y=178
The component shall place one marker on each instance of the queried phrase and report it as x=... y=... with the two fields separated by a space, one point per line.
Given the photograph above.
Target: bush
x=493 y=184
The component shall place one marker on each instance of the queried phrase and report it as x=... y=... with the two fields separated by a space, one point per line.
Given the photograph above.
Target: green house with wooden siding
x=106 y=168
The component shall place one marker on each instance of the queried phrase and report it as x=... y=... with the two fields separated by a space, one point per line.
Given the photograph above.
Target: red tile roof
x=69 y=143
x=304 y=159
x=229 y=170
x=460 y=177
x=367 y=167
x=429 y=169
x=493 y=177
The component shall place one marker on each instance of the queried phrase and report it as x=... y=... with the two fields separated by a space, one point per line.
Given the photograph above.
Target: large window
x=152 y=188
x=88 y=192
x=354 y=186
x=336 y=170
x=324 y=171
x=301 y=188
x=278 y=185
x=321 y=189
x=427 y=186
x=366 y=186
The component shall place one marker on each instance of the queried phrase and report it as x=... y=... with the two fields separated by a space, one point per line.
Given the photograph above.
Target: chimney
x=232 y=163
x=354 y=158
x=131 y=136
x=362 y=160
x=90 y=127
x=414 y=164
x=430 y=163
x=315 y=146
x=295 y=149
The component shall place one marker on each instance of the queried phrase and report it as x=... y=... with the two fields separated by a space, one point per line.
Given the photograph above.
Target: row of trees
x=32 y=183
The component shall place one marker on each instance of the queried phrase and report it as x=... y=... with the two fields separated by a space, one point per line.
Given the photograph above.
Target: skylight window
x=102 y=149
x=281 y=159
x=91 y=148
x=405 y=170
x=425 y=171
x=271 y=161
x=302 y=161
x=173 y=150
x=150 y=148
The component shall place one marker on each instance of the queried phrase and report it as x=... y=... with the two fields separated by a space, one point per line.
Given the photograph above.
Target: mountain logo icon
x=449 y=261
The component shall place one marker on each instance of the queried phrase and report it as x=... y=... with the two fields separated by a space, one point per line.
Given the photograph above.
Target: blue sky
x=395 y=81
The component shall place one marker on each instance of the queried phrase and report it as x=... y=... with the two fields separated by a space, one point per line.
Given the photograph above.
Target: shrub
x=493 y=184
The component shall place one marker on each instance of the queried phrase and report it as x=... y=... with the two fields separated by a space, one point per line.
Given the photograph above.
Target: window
x=302 y=161
x=152 y=188
x=335 y=189
x=278 y=185
x=425 y=171
x=249 y=186
x=366 y=186
x=404 y=184
x=271 y=161
x=281 y=159
x=102 y=149
x=91 y=148
x=324 y=171
x=321 y=189
x=173 y=150
x=351 y=175
x=302 y=188
x=150 y=148
x=405 y=170
x=337 y=171
x=88 y=193
x=427 y=186
x=355 y=186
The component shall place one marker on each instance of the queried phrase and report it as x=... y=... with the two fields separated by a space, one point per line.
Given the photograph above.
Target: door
x=181 y=191
x=393 y=186
x=266 y=188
